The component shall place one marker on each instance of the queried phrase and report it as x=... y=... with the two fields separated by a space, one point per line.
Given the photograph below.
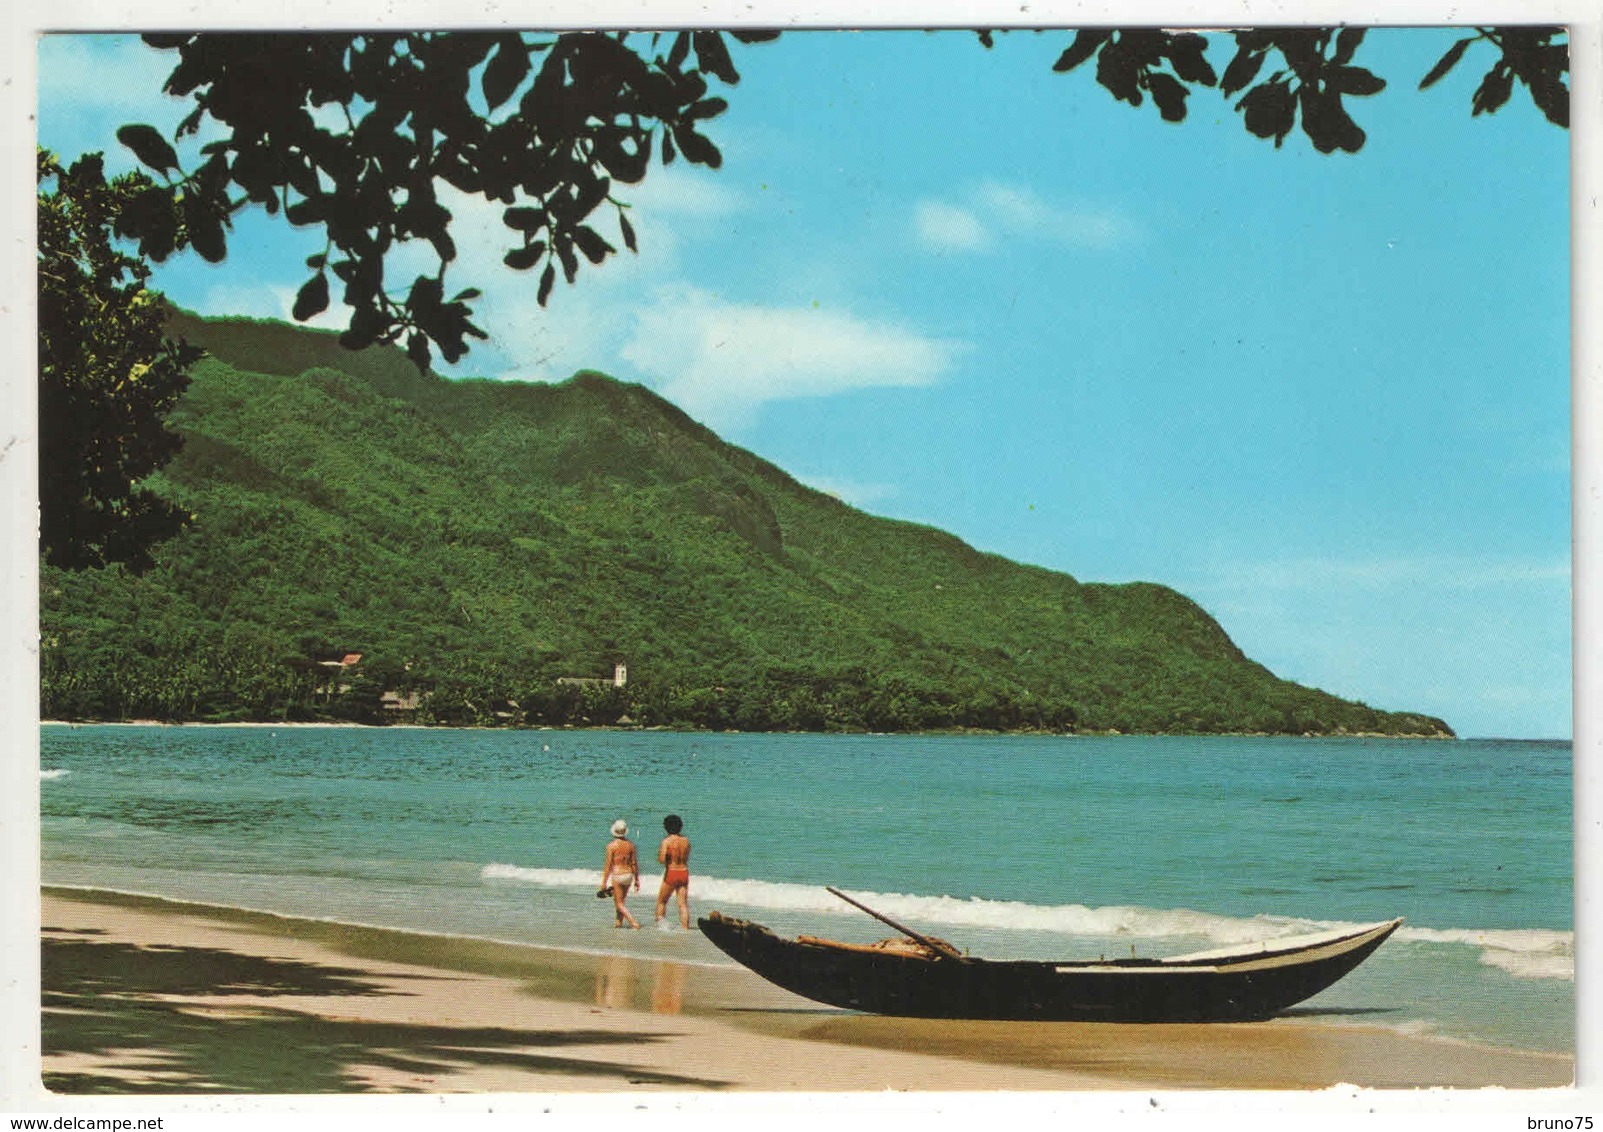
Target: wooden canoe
x=927 y=978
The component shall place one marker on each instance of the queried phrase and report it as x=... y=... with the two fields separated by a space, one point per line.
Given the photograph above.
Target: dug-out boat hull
x=1246 y=984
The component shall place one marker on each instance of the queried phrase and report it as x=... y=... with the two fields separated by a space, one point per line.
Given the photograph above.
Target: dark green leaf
x=1447 y=62
x=625 y=155
x=521 y=259
x=628 y=232
x=1187 y=57
x=417 y=348
x=205 y=229
x=707 y=108
x=595 y=249
x=1303 y=48
x=367 y=324
x=547 y=279
x=426 y=294
x=1145 y=45
x=679 y=51
x=1241 y=71
x=1119 y=73
x=1355 y=81
x=1084 y=46
x=151 y=218
x=149 y=146
x=1347 y=41
x=713 y=57
x=1552 y=98
x=444 y=246
x=452 y=348
x=311 y=211
x=544 y=101
x=506 y=70
x=313 y=299
x=1493 y=91
x=1169 y=94
x=589 y=192
x=1269 y=110
x=524 y=218
x=1326 y=122
x=697 y=149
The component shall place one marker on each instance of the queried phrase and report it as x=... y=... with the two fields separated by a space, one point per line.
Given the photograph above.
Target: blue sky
x=1325 y=396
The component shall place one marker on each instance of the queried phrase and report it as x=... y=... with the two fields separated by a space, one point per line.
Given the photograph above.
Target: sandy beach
x=149 y=996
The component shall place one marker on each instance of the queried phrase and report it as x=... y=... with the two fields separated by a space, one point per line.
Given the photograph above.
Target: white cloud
x=680 y=191
x=721 y=360
x=639 y=318
x=943 y=226
x=581 y=325
x=1013 y=207
x=994 y=211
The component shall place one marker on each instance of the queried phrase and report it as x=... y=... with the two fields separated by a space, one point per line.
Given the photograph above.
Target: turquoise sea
x=1009 y=846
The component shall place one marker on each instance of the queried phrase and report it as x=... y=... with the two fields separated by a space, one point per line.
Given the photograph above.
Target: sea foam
x=1531 y=953
x=53 y=773
x=1535 y=953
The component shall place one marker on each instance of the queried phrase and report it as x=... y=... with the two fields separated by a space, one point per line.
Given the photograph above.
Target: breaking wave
x=53 y=772
x=1529 y=954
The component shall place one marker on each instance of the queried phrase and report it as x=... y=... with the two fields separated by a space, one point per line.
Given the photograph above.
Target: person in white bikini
x=620 y=872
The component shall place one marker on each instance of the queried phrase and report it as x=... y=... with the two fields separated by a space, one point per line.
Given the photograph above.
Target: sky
x=1327 y=397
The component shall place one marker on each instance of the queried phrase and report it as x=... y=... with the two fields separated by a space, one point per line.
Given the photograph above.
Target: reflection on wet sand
x=615 y=982
x=617 y=977
x=668 y=989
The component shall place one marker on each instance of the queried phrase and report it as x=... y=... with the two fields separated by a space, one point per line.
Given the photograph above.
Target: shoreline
x=229 y=979
x=942 y=732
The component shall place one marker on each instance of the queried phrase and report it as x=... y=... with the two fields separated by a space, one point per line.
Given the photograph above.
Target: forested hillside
x=476 y=541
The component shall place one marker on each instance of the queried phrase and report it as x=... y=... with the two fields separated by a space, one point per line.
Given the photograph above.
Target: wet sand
x=152 y=996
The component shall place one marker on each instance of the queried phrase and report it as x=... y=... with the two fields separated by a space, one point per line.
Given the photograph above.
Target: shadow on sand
x=1333 y=1011
x=112 y=1001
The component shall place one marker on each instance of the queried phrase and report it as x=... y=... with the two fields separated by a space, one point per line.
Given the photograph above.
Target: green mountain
x=476 y=541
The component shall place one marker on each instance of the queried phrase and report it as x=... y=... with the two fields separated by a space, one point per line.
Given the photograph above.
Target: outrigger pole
x=939 y=946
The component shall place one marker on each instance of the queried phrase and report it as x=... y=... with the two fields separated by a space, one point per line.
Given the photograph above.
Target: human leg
x=620 y=891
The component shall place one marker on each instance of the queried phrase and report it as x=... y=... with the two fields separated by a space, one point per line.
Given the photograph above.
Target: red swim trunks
x=676 y=875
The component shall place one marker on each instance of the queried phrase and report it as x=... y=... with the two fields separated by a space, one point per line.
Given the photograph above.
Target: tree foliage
x=1279 y=77
x=357 y=134
x=108 y=375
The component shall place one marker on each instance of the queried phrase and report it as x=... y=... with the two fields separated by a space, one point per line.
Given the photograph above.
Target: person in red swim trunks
x=674 y=853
